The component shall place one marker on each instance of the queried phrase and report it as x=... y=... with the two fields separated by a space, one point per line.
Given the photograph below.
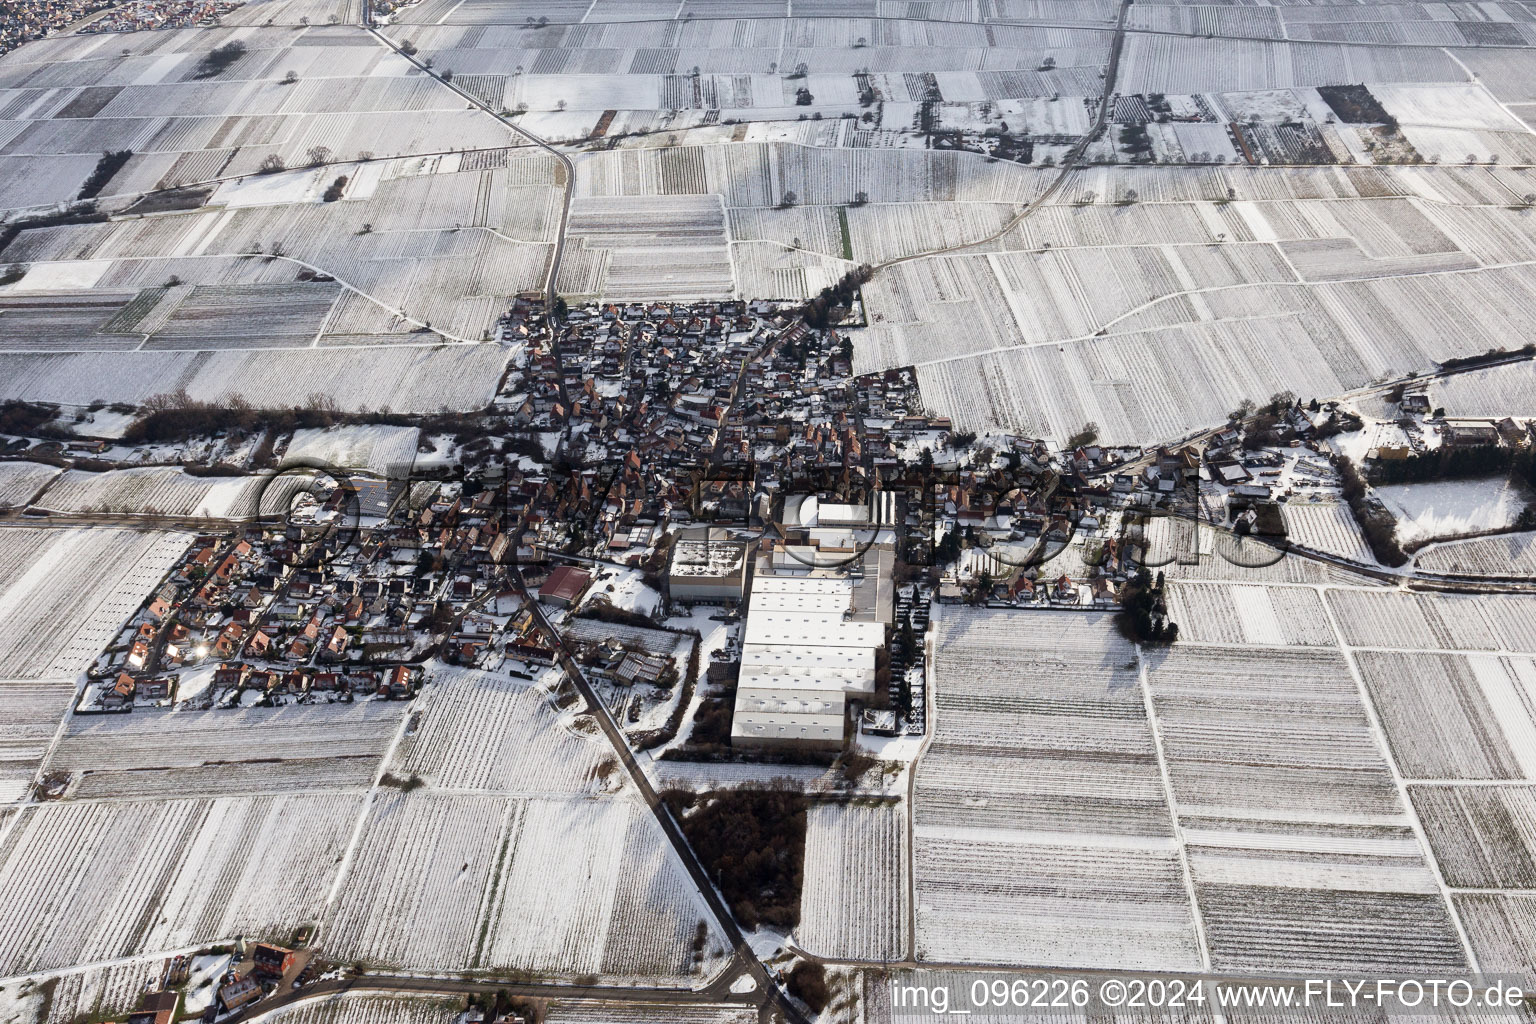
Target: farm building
x=709 y=569
x=564 y=586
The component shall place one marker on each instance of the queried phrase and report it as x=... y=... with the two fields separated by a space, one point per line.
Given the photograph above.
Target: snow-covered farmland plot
x=574 y=885
x=1243 y=613
x=356 y=1008
x=101 y=991
x=1326 y=526
x=64 y=593
x=254 y=315
x=1458 y=622
x=167 y=491
x=656 y=247
x=1042 y=829
x=1509 y=554
x=1455 y=716
x=298 y=746
x=1484 y=837
x=81 y=882
x=591 y=1011
x=31 y=715
x=398 y=378
x=1501 y=927
x=20 y=482
x=374 y=448
x=488 y=731
x=591 y=886
x=1299 y=845
x=853 y=902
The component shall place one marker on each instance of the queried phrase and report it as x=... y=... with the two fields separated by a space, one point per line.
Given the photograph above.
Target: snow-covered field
x=1509 y=554
x=491 y=732
x=167 y=491
x=381 y=450
x=454 y=881
x=1326 y=526
x=363 y=1008
x=1450 y=507
x=31 y=718
x=853 y=902
x=1300 y=848
x=1248 y=613
x=65 y=593
x=297 y=746
x=21 y=481
x=398 y=378
x=1042 y=831
x=126 y=877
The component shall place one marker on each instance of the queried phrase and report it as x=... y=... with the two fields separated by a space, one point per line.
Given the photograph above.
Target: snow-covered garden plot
x=853 y=902
x=382 y=450
x=1451 y=507
x=1379 y=618
x=1455 y=716
x=82 y=882
x=167 y=491
x=1243 y=613
x=1042 y=834
x=408 y=379
x=65 y=593
x=488 y=731
x=32 y=714
x=1483 y=837
x=654 y=247
x=1501 y=927
x=575 y=885
x=295 y=746
x=20 y=482
x=1327 y=526
x=1508 y=554
x=1298 y=842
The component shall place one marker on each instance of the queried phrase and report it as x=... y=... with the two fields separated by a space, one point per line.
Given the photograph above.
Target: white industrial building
x=807 y=649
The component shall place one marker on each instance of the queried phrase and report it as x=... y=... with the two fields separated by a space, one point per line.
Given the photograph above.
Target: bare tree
x=319 y=155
